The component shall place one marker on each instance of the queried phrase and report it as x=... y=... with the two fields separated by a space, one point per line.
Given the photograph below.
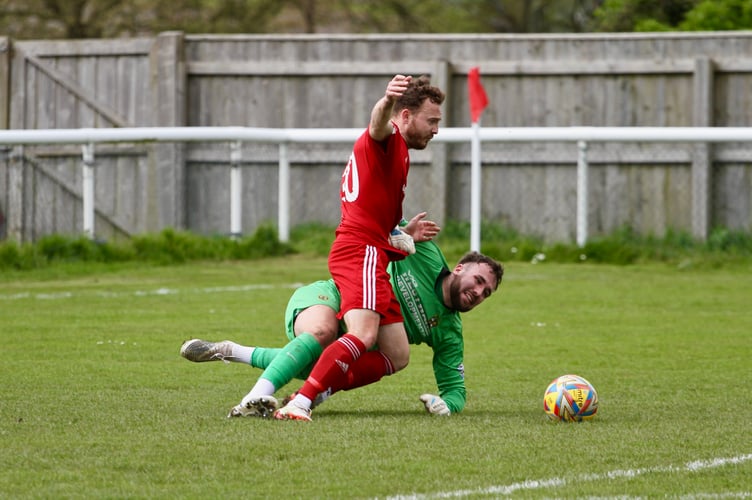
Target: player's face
x=422 y=125
x=471 y=284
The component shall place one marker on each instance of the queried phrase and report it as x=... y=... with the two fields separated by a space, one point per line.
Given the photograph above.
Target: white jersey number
x=350 y=183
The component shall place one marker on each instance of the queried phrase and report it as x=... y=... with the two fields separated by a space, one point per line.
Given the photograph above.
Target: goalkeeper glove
x=435 y=405
x=402 y=241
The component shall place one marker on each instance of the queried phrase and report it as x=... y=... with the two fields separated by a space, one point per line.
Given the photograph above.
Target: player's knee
x=320 y=321
x=393 y=343
x=368 y=338
x=325 y=335
x=399 y=360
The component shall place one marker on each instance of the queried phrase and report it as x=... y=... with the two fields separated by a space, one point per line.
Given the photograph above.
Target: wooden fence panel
x=674 y=79
x=732 y=196
x=69 y=85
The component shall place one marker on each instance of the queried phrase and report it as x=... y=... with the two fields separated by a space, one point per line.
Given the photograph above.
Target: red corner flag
x=477 y=94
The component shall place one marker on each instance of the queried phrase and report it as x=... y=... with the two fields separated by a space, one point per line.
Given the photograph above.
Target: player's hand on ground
x=435 y=405
x=421 y=230
x=402 y=241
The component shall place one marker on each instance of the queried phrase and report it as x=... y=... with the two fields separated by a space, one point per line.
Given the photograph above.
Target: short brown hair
x=418 y=91
x=496 y=267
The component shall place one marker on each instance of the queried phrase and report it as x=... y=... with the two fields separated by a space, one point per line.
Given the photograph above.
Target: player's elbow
x=379 y=134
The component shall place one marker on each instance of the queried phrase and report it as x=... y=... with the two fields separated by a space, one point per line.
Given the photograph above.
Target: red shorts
x=359 y=271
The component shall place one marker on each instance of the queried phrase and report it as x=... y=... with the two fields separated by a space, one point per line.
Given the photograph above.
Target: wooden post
x=167 y=164
x=4 y=82
x=437 y=206
x=14 y=217
x=702 y=156
x=4 y=122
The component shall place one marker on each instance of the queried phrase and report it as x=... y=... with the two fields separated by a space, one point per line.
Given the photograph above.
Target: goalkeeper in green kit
x=431 y=298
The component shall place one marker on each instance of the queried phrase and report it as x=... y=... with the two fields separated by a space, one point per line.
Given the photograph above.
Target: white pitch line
x=144 y=293
x=535 y=484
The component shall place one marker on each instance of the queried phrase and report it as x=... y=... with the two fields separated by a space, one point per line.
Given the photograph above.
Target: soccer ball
x=570 y=398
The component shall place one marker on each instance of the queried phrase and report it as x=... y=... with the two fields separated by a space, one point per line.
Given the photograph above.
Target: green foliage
x=733 y=242
x=673 y=15
x=621 y=247
x=117 y=18
x=263 y=243
x=168 y=247
x=500 y=242
x=312 y=238
x=641 y=15
x=124 y=18
x=652 y=25
x=719 y=15
x=171 y=246
x=462 y=16
x=15 y=256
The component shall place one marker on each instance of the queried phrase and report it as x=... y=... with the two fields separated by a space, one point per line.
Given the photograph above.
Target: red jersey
x=373 y=188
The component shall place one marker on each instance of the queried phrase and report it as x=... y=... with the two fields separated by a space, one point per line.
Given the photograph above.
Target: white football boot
x=262 y=407
x=199 y=351
x=291 y=411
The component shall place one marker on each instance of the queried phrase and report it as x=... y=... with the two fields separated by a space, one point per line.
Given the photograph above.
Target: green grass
x=97 y=403
x=169 y=247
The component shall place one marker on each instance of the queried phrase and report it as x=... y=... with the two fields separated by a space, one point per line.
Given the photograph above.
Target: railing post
x=475 y=189
x=582 y=193
x=236 y=190
x=88 y=188
x=283 y=217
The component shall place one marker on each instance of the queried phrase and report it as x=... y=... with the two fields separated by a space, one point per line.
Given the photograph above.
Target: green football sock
x=263 y=356
x=295 y=359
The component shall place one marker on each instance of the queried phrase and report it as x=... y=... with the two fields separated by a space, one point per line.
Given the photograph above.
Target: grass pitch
x=97 y=403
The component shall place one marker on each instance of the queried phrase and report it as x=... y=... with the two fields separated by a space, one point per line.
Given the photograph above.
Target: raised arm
x=380 y=127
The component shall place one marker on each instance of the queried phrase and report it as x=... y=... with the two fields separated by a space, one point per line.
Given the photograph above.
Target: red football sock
x=332 y=367
x=369 y=368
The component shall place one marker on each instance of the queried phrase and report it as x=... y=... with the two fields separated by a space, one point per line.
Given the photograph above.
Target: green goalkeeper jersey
x=417 y=285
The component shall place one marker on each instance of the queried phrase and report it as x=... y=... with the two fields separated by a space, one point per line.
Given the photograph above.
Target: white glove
x=402 y=241
x=435 y=405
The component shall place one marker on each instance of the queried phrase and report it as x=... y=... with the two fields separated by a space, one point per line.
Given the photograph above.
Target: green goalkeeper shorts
x=317 y=293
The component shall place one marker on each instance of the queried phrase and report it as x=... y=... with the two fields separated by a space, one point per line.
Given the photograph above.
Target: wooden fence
x=332 y=81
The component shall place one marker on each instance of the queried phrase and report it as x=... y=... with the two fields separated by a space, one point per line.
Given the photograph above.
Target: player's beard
x=415 y=140
x=455 y=297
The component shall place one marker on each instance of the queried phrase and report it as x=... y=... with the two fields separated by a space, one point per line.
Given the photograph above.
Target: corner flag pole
x=478 y=102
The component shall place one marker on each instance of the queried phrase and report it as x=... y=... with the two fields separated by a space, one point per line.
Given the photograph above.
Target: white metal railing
x=235 y=136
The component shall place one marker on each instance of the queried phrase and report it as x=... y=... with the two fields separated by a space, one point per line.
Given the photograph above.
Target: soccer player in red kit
x=372 y=190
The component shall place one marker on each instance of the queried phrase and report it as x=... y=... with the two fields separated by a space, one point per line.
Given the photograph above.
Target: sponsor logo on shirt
x=408 y=289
